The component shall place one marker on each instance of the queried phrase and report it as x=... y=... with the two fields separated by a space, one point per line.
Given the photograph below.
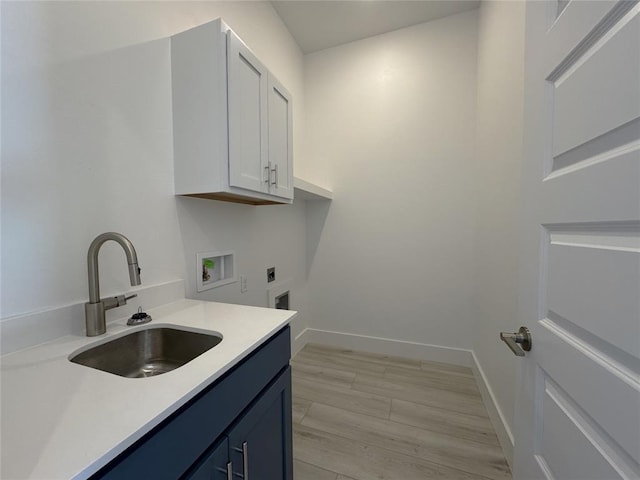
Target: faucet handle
x=117 y=301
x=121 y=300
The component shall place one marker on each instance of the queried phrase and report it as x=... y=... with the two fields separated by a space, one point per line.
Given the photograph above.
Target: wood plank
x=306 y=471
x=434 y=379
x=470 y=427
x=323 y=374
x=352 y=400
x=326 y=359
x=375 y=358
x=366 y=462
x=446 y=367
x=300 y=407
x=440 y=448
x=425 y=395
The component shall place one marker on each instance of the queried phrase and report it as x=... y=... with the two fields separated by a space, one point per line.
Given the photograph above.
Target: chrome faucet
x=95 y=308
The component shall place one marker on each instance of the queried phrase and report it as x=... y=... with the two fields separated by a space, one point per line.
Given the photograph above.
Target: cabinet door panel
x=280 y=140
x=266 y=430
x=214 y=465
x=247 y=94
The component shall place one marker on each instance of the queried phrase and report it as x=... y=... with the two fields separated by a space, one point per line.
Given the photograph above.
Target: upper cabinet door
x=248 y=117
x=280 y=140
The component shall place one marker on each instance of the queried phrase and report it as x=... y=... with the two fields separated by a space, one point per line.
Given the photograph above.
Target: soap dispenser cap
x=139 y=318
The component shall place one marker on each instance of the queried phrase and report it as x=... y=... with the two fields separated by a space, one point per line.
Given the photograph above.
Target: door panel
x=596 y=377
x=589 y=274
x=599 y=91
x=571 y=195
x=280 y=139
x=247 y=89
x=578 y=457
x=578 y=408
x=567 y=28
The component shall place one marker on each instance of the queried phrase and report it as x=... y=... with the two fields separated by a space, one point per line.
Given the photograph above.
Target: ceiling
x=320 y=24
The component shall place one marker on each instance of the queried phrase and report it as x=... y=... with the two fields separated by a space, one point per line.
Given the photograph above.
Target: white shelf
x=308 y=191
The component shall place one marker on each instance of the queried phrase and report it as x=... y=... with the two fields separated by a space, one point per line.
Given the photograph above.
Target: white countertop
x=63 y=420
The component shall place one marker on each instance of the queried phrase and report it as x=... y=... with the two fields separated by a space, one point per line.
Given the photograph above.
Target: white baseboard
x=384 y=346
x=500 y=425
x=299 y=342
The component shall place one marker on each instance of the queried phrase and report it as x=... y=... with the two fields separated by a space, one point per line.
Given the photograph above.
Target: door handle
x=228 y=471
x=267 y=170
x=518 y=342
x=245 y=460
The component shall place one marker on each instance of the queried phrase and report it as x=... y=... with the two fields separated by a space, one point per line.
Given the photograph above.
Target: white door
x=247 y=95
x=578 y=406
x=280 y=140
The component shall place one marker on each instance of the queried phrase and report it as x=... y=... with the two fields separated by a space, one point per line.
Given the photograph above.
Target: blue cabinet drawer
x=173 y=446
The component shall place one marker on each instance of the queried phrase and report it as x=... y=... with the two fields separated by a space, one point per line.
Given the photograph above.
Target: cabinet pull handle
x=228 y=471
x=245 y=460
x=268 y=173
x=275 y=175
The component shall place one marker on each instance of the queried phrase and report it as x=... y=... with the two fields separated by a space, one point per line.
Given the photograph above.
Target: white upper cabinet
x=231 y=120
x=280 y=140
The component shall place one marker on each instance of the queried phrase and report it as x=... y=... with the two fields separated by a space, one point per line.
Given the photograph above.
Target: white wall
x=391 y=129
x=498 y=161
x=87 y=148
x=391 y=122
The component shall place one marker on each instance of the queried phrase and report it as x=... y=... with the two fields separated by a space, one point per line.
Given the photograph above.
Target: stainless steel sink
x=148 y=352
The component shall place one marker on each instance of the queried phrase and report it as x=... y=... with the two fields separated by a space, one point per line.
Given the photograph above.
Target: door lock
x=518 y=342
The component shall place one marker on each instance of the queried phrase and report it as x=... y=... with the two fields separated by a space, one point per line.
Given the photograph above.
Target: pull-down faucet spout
x=95 y=308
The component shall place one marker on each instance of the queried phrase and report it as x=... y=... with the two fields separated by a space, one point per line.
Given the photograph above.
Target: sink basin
x=148 y=352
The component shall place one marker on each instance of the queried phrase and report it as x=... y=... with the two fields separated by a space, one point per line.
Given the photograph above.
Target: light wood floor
x=361 y=416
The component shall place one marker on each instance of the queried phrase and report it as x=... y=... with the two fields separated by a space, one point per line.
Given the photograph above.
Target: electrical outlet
x=243 y=283
x=271 y=274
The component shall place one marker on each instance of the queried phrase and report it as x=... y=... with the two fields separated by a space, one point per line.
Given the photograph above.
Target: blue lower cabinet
x=238 y=428
x=258 y=446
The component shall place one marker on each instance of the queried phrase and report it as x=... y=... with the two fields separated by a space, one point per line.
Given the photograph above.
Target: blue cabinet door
x=214 y=465
x=260 y=443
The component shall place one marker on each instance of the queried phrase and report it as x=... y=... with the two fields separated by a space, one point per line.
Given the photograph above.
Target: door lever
x=515 y=340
